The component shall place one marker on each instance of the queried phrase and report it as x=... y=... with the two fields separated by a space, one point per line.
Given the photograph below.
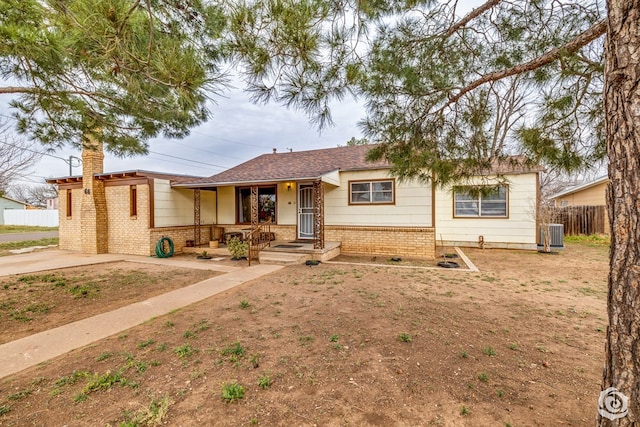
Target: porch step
x=282 y=258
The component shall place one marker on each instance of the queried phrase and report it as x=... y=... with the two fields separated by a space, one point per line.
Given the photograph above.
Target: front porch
x=281 y=251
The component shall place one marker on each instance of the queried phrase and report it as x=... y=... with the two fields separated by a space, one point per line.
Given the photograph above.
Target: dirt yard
x=518 y=344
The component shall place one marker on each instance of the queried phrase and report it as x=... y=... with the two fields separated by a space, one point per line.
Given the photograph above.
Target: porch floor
x=298 y=247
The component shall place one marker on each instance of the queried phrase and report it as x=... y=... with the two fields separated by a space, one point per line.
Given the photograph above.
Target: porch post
x=196 y=217
x=254 y=207
x=318 y=215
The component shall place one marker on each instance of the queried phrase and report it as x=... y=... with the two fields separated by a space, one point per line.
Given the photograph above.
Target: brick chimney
x=93 y=214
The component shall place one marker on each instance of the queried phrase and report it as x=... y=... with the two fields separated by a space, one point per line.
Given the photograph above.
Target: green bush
x=237 y=248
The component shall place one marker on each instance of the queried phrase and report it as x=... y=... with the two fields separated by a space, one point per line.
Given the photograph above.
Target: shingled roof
x=298 y=165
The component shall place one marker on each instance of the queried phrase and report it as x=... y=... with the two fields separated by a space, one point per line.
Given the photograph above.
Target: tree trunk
x=619 y=403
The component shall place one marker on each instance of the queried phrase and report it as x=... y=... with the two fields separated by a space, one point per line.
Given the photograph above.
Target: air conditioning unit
x=556 y=233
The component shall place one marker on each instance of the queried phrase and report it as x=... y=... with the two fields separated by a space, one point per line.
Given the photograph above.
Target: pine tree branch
x=554 y=54
x=471 y=16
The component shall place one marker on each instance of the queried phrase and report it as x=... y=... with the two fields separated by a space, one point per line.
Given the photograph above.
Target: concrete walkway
x=34 y=349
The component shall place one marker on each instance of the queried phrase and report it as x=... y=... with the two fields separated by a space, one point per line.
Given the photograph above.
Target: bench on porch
x=264 y=236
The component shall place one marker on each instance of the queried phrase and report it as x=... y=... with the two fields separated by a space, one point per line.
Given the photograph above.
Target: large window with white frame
x=378 y=192
x=484 y=203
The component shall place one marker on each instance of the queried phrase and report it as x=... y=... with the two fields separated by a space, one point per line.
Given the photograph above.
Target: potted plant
x=237 y=248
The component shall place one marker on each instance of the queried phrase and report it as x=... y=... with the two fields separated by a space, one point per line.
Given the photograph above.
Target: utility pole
x=71 y=163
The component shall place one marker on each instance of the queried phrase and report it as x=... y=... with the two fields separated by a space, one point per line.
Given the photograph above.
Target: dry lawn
x=520 y=343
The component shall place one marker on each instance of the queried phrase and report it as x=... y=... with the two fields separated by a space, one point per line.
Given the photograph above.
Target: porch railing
x=259 y=238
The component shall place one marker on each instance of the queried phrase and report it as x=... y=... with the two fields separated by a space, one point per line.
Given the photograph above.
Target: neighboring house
x=52 y=204
x=7 y=203
x=592 y=193
x=326 y=195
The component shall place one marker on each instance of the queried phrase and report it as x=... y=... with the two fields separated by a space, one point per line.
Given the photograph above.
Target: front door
x=305 y=211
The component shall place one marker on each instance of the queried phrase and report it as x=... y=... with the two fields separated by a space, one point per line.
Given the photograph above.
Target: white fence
x=43 y=218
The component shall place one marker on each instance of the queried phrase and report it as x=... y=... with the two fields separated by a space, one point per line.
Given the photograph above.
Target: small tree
x=34 y=195
x=547 y=215
x=16 y=158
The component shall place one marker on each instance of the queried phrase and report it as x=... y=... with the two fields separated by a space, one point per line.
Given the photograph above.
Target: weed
x=464 y=354
x=334 y=338
x=203 y=325
x=482 y=376
x=464 y=411
x=232 y=392
x=161 y=347
x=489 y=351
x=169 y=324
x=184 y=350
x=255 y=361
x=306 y=339
x=104 y=382
x=244 y=304
x=71 y=379
x=146 y=343
x=140 y=366
x=4 y=410
x=155 y=413
x=234 y=349
x=104 y=356
x=20 y=316
x=513 y=346
x=500 y=393
x=19 y=395
x=83 y=291
x=37 y=308
x=404 y=337
x=264 y=382
x=80 y=397
x=189 y=334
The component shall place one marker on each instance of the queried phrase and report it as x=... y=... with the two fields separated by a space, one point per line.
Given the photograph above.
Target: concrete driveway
x=20 y=237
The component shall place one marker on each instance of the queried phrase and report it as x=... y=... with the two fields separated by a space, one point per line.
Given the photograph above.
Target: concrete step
x=282 y=258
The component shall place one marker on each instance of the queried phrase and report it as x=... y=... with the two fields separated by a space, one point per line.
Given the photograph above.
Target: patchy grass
x=5 y=247
x=483 y=352
x=9 y=229
x=591 y=240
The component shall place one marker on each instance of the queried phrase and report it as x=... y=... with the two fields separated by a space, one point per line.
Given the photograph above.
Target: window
x=491 y=203
x=266 y=204
x=69 y=203
x=133 y=200
x=371 y=192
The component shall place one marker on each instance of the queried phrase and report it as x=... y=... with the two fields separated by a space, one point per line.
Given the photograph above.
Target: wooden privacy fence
x=581 y=219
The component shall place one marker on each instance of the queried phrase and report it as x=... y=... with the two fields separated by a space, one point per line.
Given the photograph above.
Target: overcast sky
x=238 y=131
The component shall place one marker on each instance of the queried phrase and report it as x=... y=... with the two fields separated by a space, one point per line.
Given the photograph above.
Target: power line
x=178 y=163
x=188 y=160
x=32 y=151
x=204 y=151
x=227 y=140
